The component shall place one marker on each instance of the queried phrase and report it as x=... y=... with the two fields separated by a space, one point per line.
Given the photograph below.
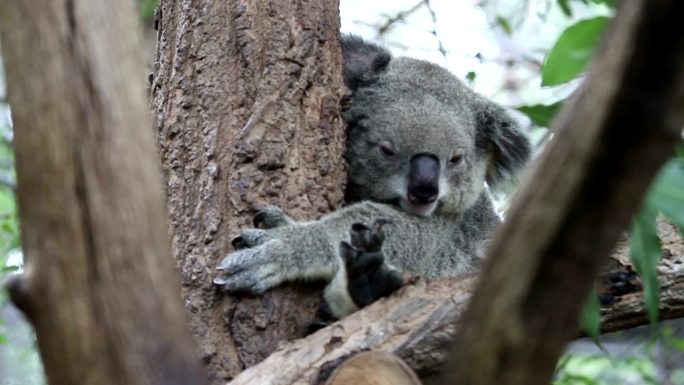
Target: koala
x=421 y=148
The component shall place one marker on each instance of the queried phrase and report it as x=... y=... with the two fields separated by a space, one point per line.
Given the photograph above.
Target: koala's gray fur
x=401 y=109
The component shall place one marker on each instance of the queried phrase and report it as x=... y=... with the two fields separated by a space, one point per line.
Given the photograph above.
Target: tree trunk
x=246 y=98
x=99 y=286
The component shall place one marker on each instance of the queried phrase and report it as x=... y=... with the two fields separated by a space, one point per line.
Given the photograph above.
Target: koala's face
x=412 y=141
x=418 y=138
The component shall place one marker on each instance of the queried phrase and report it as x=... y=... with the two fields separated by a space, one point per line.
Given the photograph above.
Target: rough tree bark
x=238 y=87
x=99 y=284
x=246 y=99
x=610 y=141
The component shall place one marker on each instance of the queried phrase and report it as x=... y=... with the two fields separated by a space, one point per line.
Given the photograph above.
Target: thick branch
x=418 y=324
x=99 y=285
x=246 y=95
x=609 y=143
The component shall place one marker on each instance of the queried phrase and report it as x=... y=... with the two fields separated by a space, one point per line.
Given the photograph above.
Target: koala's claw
x=270 y=217
x=245 y=282
x=251 y=238
x=368 y=238
x=368 y=278
x=239 y=243
x=252 y=270
x=359 y=235
x=359 y=261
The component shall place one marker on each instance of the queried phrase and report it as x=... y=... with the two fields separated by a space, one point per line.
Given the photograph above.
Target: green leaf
x=610 y=3
x=9 y=269
x=677 y=343
x=504 y=24
x=671 y=340
x=147 y=7
x=540 y=114
x=666 y=194
x=563 y=362
x=577 y=379
x=565 y=7
x=470 y=76
x=3 y=339
x=572 y=51
x=644 y=247
x=680 y=150
x=590 y=319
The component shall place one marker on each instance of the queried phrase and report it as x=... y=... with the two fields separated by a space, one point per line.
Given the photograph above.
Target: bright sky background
x=473 y=40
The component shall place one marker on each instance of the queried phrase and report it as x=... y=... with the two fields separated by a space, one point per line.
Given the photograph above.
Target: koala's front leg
x=281 y=250
x=299 y=251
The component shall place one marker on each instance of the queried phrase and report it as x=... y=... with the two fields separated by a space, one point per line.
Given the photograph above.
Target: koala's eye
x=386 y=150
x=456 y=159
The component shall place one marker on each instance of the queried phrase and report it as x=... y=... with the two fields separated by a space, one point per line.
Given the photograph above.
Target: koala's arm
x=308 y=250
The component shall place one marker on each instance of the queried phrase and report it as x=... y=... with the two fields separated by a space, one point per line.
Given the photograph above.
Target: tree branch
x=610 y=141
x=402 y=15
x=98 y=285
x=417 y=323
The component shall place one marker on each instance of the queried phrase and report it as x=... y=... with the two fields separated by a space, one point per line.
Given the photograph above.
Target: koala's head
x=418 y=137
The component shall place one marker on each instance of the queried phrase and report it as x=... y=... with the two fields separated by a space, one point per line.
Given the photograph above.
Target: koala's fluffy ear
x=500 y=135
x=362 y=61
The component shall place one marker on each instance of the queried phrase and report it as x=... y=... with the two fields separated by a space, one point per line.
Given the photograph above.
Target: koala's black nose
x=423 y=183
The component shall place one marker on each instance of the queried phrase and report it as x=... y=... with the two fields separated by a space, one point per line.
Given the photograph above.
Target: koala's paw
x=270 y=217
x=253 y=270
x=368 y=277
x=260 y=259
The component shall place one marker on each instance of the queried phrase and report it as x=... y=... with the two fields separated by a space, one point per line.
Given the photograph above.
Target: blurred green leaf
x=644 y=247
x=147 y=7
x=666 y=194
x=610 y=3
x=572 y=51
x=680 y=150
x=540 y=114
x=3 y=339
x=646 y=375
x=563 y=362
x=565 y=7
x=576 y=379
x=590 y=319
x=671 y=340
x=471 y=75
x=504 y=24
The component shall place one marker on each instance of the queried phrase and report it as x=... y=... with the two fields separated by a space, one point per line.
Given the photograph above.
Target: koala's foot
x=253 y=269
x=368 y=277
x=257 y=263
